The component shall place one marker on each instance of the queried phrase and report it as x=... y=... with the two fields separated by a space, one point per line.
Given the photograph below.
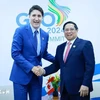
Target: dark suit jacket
x=25 y=56
x=79 y=67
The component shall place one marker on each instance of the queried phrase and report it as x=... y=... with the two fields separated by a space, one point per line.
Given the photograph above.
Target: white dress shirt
x=67 y=46
x=38 y=39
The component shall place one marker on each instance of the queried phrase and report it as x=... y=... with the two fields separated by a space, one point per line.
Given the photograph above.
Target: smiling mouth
x=69 y=35
x=36 y=22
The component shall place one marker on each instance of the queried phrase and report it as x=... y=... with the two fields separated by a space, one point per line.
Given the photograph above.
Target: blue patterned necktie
x=35 y=40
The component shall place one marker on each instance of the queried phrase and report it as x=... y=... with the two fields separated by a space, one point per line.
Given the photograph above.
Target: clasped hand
x=38 y=70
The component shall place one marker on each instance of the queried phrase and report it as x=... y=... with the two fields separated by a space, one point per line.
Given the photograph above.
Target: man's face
x=35 y=18
x=70 y=32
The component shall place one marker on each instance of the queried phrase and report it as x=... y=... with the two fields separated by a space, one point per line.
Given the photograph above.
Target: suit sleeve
x=48 y=56
x=16 y=52
x=88 y=54
x=53 y=67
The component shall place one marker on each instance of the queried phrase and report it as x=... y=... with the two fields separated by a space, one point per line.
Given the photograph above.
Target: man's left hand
x=84 y=90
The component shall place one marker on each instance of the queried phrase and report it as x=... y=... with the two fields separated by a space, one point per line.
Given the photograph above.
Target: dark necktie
x=35 y=40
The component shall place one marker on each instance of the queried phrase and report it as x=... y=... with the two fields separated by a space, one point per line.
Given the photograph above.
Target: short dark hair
x=36 y=7
x=70 y=22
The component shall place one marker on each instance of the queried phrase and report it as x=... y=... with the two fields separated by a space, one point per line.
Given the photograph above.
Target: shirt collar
x=33 y=29
x=72 y=41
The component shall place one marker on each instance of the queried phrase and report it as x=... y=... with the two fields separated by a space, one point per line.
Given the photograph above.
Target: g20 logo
x=24 y=16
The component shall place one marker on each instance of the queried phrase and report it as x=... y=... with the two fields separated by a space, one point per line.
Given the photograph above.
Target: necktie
x=35 y=40
x=67 y=51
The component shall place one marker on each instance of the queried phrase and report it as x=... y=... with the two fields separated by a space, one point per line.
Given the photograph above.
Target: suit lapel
x=30 y=35
x=73 y=48
x=43 y=40
x=61 y=51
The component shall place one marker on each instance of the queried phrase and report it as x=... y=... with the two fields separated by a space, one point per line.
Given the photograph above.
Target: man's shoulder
x=61 y=45
x=83 y=40
x=43 y=32
x=23 y=27
x=21 y=30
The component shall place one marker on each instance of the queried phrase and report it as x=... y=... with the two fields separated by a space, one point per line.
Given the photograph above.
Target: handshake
x=38 y=70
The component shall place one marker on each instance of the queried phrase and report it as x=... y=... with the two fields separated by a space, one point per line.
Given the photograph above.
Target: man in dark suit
x=29 y=46
x=75 y=59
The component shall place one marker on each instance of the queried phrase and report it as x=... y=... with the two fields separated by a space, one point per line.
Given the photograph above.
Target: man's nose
x=36 y=18
x=69 y=30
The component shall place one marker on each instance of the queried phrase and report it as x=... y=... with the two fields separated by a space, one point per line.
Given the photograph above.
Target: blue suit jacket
x=79 y=67
x=25 y=56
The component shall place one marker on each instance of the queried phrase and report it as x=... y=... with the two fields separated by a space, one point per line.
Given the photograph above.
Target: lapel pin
x=42 y=38
x=74 y=46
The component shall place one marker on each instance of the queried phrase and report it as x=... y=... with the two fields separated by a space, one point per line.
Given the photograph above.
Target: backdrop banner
x=14 y=13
